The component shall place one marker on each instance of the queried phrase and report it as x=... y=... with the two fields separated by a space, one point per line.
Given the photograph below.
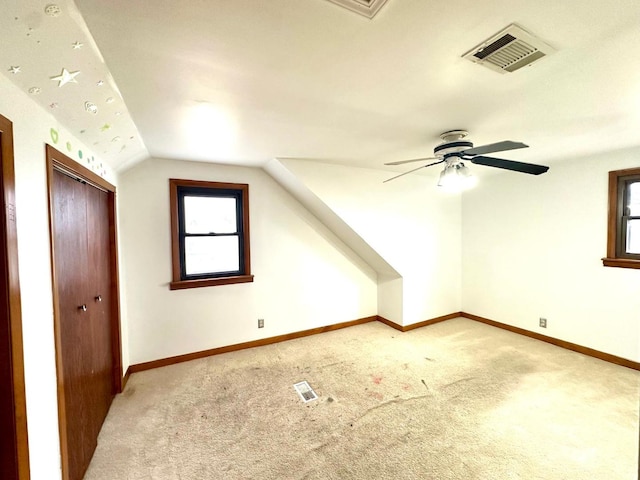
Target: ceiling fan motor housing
x=446 y=149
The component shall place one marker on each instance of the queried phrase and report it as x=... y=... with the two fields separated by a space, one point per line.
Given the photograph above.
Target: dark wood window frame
x=615 y=240
x=176 y=186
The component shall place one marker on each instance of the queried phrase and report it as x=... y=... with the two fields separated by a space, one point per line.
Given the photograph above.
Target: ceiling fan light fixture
x=456 y=177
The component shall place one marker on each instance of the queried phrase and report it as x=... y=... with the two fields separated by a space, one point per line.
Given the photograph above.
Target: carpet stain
x=129 y=392
x=376 y=395
x=377 y=380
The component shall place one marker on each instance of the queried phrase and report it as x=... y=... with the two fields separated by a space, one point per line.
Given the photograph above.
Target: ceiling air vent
x=509 y=50
x=368 y=8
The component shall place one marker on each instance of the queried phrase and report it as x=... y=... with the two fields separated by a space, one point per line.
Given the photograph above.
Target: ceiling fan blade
x=530 y=168
x=409 y=161
x=410 y=171
x=495 y=147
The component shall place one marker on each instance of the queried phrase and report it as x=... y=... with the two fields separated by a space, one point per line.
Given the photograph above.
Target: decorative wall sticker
x=69 y=146
x=54 y=135
x=80 y=154
x=115 y=139
x=77 y=45
x=105 y=127
x=100 y=83
x=35 y=90
x=91 y=107
x=66 y=77
x=53 y=10
x=118 y=114
x=82 y=131
x=110 y=100
x=15 y=70
x=53 y=105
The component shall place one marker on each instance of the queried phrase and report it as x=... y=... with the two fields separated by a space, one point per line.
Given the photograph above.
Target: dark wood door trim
x=11 y=309
x=59 y=161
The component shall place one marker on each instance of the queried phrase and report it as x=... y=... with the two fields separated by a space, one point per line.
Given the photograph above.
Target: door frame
x=59 y=161
x=12 y=310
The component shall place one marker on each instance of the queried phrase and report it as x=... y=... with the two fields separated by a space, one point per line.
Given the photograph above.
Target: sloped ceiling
x=245 y=81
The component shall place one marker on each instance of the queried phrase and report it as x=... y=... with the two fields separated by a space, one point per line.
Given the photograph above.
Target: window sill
x=209 y=282
x=621 y=262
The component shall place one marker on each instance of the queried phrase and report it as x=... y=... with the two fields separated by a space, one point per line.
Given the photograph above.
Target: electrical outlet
x=261 y=323
x=543 y=322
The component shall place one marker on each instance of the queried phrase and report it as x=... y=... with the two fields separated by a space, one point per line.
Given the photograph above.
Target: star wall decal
x=66 y=77
x=91 y=107
x=77 y=45
x=105 y=127
x=15 y=70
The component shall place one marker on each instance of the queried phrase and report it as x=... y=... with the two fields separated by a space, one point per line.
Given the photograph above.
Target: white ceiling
x=245 y=81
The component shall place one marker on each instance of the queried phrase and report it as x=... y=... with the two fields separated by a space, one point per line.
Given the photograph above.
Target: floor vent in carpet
x=305 y=391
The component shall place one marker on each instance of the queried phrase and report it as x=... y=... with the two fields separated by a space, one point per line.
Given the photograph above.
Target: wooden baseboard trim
x=607 y=357
x=389 y=323
x=424 y=323
x=163 y=362
x=431 y=321
x=125 y=378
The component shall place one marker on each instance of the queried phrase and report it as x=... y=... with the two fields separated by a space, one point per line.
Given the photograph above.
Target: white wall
x=412 y=224
x=532 y=247
x=304 y=276
x=31 y=130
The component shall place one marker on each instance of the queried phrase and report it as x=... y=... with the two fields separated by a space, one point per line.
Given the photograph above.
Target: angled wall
x=305 y=277
x=409 y=222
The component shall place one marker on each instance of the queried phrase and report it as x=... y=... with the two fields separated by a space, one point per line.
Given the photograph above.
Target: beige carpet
x=455 y=400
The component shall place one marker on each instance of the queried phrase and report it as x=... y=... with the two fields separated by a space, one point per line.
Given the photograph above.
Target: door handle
x=99 y=298
x=83 y=308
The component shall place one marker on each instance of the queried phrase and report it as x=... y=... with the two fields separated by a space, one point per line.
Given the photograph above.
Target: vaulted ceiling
x=244 y=81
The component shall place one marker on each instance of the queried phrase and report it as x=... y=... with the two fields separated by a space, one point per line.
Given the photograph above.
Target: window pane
x=634 y=199
x=210 y=214
x=211 y=255
x=633 y=236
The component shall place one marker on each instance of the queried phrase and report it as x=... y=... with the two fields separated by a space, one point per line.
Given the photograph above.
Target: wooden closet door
x=99 y=298
x=83 y=277
x=72 y=275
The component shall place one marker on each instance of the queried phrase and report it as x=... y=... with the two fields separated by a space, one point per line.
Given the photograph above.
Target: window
x=623 y=241
x=209 y=233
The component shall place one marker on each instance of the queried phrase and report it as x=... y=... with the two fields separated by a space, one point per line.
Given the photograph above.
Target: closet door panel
x=72 y=276
x=99 y=297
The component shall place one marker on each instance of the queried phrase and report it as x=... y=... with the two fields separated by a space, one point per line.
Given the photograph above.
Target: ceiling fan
x=453 y=150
